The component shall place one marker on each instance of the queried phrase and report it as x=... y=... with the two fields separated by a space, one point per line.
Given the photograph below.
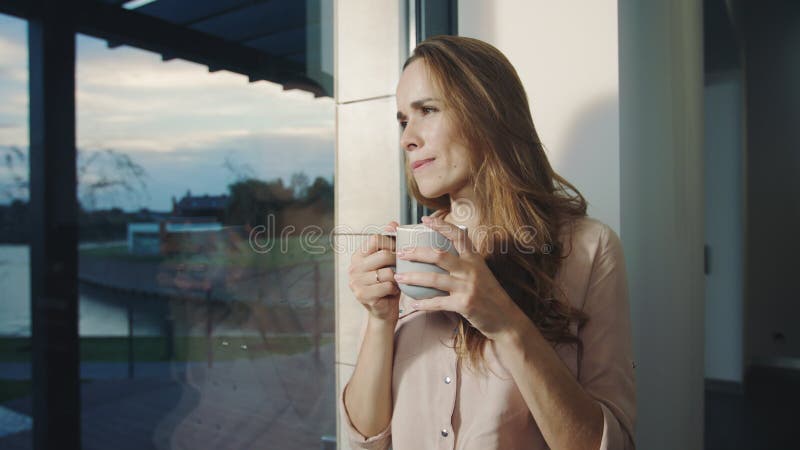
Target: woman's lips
x=421 y=163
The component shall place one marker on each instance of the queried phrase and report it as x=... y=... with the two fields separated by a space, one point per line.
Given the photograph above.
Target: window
x=193 y=328
x=205 y=285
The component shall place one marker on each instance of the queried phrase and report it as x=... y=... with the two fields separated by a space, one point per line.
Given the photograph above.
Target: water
x=102 y=312
x=15 y=306
x=245 y=394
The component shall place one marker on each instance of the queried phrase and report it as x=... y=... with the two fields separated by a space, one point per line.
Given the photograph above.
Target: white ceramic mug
x=420 y=235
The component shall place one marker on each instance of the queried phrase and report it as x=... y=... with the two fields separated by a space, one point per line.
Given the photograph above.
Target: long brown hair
x=514 y=185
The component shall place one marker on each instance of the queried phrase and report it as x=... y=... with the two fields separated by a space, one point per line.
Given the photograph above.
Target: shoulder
x=589 y=247
x=589 y=237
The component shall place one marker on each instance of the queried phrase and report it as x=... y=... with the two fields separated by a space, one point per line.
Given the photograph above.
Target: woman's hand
x=372 y=281
x=474 y=291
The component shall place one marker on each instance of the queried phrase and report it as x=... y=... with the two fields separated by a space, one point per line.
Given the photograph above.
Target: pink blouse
x=438 y=404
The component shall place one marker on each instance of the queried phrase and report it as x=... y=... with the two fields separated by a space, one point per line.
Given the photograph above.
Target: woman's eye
x=425 y=111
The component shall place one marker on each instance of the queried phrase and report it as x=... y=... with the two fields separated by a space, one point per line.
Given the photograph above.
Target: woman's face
x=437 y=157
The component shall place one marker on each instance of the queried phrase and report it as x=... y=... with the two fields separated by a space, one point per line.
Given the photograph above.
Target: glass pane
x=195 y=333
x=15 y=306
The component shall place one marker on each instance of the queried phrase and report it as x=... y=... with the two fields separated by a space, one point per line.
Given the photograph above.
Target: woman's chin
x=431 y=192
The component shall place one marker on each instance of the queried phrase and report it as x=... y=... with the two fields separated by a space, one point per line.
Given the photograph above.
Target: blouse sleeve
x=607 y=368
x=380 y=441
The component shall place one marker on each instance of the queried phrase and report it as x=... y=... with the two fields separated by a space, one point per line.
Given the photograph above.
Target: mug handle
x=392 y=234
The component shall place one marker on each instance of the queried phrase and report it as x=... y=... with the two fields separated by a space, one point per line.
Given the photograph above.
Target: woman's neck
x=463 y=211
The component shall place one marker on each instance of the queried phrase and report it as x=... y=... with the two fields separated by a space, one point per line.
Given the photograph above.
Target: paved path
x=275 y=402
x=284 y=402
x=293 y=284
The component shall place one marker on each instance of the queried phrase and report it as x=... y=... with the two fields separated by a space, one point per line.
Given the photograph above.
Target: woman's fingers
x=441 y=258
x=381 y=245
x=433 y=304
x=380 y=290
x=371 y=280
x=376 y=242
x=459 y=237
x=384 y=274
x=441 y=281
x=377 y=260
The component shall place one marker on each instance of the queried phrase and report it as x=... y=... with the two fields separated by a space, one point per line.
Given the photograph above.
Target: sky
x=174 y=118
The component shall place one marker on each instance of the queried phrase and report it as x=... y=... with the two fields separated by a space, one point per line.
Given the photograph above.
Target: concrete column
x=368 y=38
x=661 y=153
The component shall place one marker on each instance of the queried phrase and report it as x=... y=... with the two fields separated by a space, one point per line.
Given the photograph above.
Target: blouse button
x=447 y=380
x=444 y=433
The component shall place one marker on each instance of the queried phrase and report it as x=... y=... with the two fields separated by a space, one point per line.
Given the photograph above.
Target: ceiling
x=282 y=41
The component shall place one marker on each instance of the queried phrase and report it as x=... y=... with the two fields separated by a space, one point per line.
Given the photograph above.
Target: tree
x=240 y=172
x=299 y=184
x=251 y=201
x=101 y=173
x=321 y=191
x=14 y=182
x=109 y=174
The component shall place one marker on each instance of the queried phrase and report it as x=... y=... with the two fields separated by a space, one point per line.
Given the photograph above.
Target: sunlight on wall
x=566 y=55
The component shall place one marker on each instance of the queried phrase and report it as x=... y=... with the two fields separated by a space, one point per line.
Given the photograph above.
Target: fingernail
x=415 y=305
x=426 y=219
x=399 y=277
x=401 y=253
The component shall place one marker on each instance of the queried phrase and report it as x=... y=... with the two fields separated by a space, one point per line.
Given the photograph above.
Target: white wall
x=566 y=55
x=724 y=229
x=616 y=93
x=661 y=150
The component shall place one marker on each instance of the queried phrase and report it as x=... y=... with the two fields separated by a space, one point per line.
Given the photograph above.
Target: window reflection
x=193 y=336
x=192 y=332
x=15 y=321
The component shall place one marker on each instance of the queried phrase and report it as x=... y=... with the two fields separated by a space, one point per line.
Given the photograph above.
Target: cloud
x=127 y=68
x=176 y=119
x=167 y=123
x=200 y=169
x=14 y=135
x=268 y=148
x=169 y=142
x=130 y=100
x=18 y=74
x=143 y=71
x=12 y=50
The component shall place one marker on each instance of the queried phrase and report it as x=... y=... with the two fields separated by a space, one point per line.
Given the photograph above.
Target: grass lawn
x=11 y=389
x=185 y=348
x=286 y=252
x=117 y=251
x=146 y=349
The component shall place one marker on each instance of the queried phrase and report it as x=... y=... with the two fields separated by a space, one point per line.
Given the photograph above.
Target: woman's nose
x=410 y=139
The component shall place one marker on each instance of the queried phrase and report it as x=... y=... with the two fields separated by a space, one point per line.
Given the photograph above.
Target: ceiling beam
x=16 y=8
x=120 y=26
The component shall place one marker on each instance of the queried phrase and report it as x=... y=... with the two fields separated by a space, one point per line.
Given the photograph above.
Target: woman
x=531 y=349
